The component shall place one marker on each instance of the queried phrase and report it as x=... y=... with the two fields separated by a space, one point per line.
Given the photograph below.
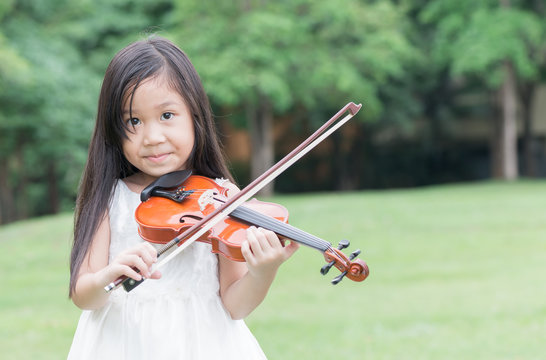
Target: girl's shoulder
x=123 y=194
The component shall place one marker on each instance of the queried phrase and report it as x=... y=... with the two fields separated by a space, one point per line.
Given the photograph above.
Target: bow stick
x=204 y=225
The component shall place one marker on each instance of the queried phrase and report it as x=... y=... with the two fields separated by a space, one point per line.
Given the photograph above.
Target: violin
x=178 y=209
x=165 y=213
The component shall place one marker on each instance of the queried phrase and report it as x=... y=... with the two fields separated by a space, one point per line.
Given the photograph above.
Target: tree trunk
x=53 y=189
x=260 y=120
x=507 y=141
x=346 y=150
x=527 y=93
x=6 y=195
x=22 y=205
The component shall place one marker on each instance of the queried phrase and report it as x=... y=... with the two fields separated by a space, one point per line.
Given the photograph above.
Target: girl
x=154 y=118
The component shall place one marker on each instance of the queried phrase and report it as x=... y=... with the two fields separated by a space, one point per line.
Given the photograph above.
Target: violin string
x=280 y=228
x=270 y=223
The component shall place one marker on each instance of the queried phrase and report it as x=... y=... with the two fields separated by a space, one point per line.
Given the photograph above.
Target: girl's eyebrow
x=168 y=103
x=158 y=106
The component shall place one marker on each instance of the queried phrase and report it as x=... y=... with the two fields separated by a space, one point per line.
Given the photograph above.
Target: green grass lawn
x=457 y=272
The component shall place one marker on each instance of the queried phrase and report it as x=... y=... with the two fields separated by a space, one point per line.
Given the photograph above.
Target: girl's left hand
x=264 y=252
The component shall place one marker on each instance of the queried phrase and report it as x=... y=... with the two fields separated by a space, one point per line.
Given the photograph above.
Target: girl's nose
x=154 y=134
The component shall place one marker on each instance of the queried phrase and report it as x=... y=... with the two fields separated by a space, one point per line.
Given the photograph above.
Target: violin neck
x=280 y=228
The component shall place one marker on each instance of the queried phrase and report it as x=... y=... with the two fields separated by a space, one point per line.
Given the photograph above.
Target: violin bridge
x=207 y=198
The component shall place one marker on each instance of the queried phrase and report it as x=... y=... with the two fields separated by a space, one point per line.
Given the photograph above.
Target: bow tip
x=354 y=108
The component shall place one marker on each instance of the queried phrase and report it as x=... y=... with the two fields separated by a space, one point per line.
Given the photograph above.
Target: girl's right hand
x=89 y=293
x=140 y=257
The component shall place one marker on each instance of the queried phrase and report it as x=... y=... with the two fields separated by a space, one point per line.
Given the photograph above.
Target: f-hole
x=194 y=217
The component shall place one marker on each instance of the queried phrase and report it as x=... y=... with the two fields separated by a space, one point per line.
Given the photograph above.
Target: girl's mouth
x=158 y=158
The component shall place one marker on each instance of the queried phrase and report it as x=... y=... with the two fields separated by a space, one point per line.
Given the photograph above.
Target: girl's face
x=161 y=134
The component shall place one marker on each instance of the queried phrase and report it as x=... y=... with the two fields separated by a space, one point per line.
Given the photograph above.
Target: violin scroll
x=356 y=270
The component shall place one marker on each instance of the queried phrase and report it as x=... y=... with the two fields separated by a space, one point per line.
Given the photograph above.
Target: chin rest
x=165 y=182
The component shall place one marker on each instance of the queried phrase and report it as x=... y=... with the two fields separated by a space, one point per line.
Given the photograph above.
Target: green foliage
x=12 y=66
x=399 y=58
x=295 y=52
x=48 y=113
x=51 y=69
x=477 y=36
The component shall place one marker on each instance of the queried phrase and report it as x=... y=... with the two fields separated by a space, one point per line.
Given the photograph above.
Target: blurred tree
x=262 y=61
x=14 y=73
x=271 y=58
x=53 y=55
x=42 y=110
x=498 y=42
x=526 y=89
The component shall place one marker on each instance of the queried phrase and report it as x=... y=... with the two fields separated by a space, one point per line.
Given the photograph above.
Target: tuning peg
x=338 y=278
x=354 y=254
x=324 y=270
x=342 y=245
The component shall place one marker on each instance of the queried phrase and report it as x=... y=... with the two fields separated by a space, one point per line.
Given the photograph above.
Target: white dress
x=180 y=316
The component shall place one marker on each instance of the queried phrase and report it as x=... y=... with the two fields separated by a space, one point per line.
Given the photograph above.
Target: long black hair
x=106 y=163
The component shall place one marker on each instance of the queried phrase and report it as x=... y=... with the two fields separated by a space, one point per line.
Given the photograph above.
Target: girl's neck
x=138 y=181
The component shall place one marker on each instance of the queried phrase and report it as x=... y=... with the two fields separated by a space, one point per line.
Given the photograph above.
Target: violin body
x=160 y=219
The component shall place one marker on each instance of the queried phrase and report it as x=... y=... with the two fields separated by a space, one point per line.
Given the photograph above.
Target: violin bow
x=200 y=228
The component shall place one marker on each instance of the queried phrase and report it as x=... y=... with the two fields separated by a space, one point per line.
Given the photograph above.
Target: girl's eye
x=167 y=116
x=133 y=121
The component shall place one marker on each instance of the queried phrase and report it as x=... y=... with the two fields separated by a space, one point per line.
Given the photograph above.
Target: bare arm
x=95 y=272
x=243 y=286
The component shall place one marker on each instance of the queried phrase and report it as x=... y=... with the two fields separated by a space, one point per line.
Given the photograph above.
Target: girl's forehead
x=153 y=82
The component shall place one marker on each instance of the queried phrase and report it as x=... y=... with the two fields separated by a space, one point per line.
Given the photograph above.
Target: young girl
x=154 y=118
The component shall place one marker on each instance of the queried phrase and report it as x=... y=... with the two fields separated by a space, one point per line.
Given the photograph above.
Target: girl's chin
x=158 y=172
